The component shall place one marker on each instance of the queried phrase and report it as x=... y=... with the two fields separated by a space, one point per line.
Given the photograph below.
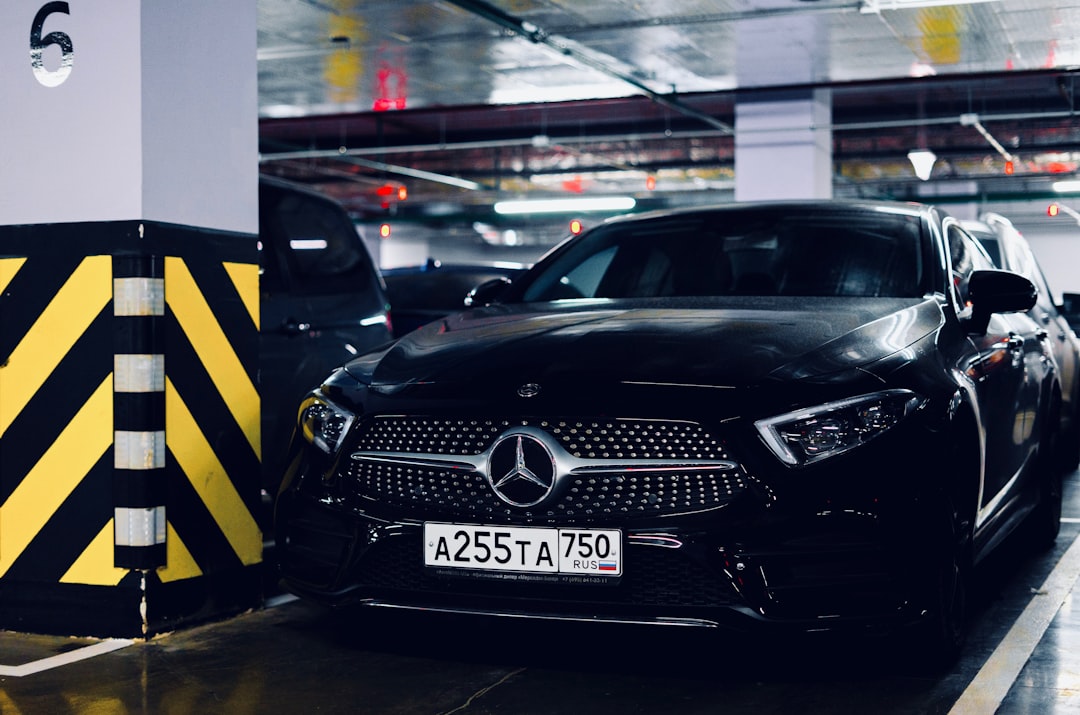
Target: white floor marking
x=279 y=600
x=990 y=686
x=56 y=661
x=107 y=646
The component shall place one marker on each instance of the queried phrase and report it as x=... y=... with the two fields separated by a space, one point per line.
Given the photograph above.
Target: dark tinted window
x=740 y=253
x=315 y=242
x=967 y=256
x=993 y=248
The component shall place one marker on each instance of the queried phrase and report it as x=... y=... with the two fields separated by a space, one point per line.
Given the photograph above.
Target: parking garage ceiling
x=462 y=101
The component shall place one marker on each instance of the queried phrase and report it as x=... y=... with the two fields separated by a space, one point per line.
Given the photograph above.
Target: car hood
x=729 y=344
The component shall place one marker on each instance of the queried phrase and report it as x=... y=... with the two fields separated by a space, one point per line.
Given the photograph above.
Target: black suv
x=322 y=302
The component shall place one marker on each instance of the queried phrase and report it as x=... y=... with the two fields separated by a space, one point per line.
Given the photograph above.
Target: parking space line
x=992 y=683
x=56 y=661
x=279 y=600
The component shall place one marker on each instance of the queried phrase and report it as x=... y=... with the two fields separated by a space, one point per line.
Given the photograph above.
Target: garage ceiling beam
x=565 y=50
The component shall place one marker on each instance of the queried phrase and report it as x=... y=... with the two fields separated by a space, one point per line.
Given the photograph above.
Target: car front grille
x=631 y=490
x=584 y=438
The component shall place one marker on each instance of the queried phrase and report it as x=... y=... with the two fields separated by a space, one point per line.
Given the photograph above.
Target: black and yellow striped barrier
x=129 y=427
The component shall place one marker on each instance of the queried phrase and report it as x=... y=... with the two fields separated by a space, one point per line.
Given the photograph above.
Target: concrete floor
x=292 y=657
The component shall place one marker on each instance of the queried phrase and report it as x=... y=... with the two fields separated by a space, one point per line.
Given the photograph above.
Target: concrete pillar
x=129 y=414
x=783 y=145
x=780 y=151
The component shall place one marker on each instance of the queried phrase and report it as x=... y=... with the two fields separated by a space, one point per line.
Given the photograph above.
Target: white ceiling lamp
x=1066 y=187
x=923 y=161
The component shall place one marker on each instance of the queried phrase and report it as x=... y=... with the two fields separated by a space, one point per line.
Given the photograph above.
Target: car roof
x=814 y=205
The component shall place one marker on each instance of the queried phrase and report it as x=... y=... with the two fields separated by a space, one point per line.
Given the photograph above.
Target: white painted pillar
x=780 y=151
x=129 y=442
x=783 y=145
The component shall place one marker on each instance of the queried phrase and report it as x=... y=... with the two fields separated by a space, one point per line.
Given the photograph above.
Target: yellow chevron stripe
x=8 y=268
x=78 y=302
x=7 y=705
x=196 y=458
x=216 y=354
x=95 y=565
x=57 y=473
x=180 y=564
x=245 y=276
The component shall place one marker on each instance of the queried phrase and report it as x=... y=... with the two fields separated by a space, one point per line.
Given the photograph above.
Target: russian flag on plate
x=608 y=566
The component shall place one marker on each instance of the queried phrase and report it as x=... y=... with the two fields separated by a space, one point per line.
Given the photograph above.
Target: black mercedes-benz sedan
x=812 y=415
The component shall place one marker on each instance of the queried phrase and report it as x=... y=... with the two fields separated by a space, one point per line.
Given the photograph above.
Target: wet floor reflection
x=298 y=658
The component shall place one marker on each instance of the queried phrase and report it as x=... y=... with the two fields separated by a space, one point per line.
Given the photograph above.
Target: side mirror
x=487 y=292
x=997 y=292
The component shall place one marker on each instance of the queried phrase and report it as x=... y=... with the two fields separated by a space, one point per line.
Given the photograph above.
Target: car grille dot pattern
x=622 y=494
x=634 y=439
x=653 y=577
x=585 y=439
x=434 y=436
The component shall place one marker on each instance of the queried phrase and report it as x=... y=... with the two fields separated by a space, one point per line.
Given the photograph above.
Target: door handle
x=292 y=326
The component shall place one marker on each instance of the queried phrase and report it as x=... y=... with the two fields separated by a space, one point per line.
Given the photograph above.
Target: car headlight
x=809 y=435
x=324 y=424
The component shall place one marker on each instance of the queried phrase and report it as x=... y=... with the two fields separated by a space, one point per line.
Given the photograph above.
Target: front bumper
x=838 y=572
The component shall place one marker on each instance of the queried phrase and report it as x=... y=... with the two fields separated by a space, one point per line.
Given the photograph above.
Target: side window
x=315 y=244
x=585 y=278
x=966 y=257
x=321 y=240
x=1047 y=299
x=580 y=281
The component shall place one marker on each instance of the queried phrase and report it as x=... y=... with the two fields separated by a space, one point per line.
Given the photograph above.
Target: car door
x=1009 y=371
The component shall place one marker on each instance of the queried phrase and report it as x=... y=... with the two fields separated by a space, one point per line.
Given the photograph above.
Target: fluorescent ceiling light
x=876 y=6
x=573 y=205
x=1063 y=187
x=923 y=161
x=307 y=244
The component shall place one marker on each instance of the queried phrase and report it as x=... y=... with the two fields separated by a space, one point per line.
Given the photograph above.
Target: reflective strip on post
x=139 y=447
x=139 y=527
x=139 y=373
x=139 y=450
x=138 y=296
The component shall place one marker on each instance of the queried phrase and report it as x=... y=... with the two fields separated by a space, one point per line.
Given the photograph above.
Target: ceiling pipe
x=972 y=120
x=349 y=156
x=542 y=38
x=637 y=136
x=1058 y=207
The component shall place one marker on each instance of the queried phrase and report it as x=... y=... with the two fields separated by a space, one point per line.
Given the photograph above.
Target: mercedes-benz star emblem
x=521 y=469
x=529 y=389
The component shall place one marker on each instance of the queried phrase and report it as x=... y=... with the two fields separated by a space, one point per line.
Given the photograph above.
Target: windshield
x=755 y=253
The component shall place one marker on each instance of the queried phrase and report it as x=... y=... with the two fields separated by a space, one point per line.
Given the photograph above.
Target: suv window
x=315 y=244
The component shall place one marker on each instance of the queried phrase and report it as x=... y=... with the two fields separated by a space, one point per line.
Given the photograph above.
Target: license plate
x=596 y=552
